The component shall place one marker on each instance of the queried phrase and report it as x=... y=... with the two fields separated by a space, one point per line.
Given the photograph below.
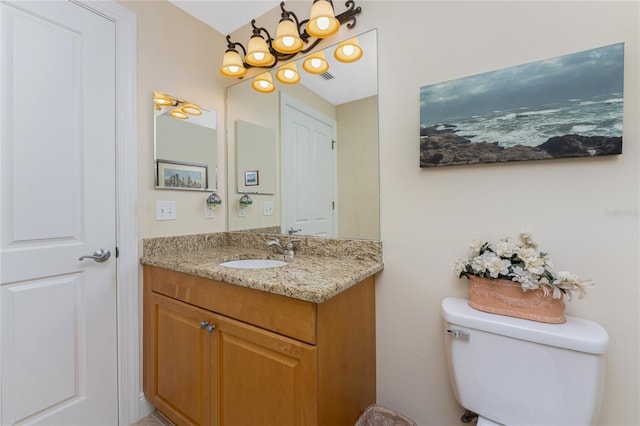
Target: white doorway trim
x=131 y=402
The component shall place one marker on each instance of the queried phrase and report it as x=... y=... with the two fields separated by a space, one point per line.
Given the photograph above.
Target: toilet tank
x=520 y=372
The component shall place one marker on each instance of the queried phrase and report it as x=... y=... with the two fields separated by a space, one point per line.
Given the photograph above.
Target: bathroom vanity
x=293 y=345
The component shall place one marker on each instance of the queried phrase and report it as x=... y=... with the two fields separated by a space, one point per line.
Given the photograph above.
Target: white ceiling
x=226 y=16
x=352 y=81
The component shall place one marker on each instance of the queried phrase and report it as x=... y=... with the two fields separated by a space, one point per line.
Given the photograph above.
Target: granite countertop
x=321 y=268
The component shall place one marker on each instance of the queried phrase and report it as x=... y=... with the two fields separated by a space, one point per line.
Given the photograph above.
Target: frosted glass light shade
x=179 y=114
x=232 y=65
x=348 y=51
x=263 y=83
x=161 y=99
x=287 y=38
x=258 y=52
x=316 y=63
x=288 y=73
x=191 y=109
x=322 y=21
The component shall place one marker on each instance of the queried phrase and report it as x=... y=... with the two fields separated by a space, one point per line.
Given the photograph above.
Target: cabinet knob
x=203 y=324
x=210 y=328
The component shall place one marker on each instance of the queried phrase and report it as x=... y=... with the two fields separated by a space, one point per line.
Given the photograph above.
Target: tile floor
x=154 y=419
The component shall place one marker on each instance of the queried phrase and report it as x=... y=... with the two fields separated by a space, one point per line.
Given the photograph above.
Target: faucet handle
x=291 y=245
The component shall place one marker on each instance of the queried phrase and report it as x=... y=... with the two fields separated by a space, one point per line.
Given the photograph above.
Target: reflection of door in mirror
x=308 y=174
x=185 y=144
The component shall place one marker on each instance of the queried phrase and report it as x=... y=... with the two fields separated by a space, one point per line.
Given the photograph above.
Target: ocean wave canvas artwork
x=567 y=106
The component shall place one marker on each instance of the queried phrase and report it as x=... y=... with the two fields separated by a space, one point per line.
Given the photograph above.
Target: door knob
x=99 y=255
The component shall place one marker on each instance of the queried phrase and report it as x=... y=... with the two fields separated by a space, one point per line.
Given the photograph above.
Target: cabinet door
x=262 y=378
x=182 y=369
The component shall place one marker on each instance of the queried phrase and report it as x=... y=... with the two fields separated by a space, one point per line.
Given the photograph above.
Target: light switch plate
x=209 y=211
x=165 y=210
x=267 y=208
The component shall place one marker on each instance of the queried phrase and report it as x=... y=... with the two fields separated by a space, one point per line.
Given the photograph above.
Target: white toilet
x=512 y=371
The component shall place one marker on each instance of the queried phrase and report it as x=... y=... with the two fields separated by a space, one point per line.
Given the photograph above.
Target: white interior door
x=57 y=109
x=308 y=170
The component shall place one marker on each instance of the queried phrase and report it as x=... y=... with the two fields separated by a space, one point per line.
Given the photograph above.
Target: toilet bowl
x=512 y=371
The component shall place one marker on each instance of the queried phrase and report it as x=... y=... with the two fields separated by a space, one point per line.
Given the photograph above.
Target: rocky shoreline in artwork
x=440 y=145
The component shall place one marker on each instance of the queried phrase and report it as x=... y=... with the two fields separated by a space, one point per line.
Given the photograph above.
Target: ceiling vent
x=327 y=76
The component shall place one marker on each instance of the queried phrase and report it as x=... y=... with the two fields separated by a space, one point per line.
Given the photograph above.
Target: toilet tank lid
x=577 y=334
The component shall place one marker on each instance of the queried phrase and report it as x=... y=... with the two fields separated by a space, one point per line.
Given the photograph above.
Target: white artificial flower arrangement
x=519 y=261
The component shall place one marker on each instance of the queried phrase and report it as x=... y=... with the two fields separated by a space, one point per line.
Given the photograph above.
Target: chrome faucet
x=276 y=246
x=289 y=249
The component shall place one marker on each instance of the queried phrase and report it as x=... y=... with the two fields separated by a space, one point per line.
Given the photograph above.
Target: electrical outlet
x=209 y=211
x=267 y=208
x=242 y=212
x=165 y=210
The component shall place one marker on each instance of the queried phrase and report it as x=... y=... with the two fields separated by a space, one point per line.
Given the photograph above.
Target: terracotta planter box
x=505 y=297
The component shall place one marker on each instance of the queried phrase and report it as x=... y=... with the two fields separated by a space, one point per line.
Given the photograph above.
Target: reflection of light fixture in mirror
x=322 y=22
x=288 y=73
x=348 y=51
x=191 y=109
x=259 y=54
x=179 y=114
x=265 y=52
x=316 y=63
x=263 y=83
x=232 y=65
x=287 y=36
x=160 y=100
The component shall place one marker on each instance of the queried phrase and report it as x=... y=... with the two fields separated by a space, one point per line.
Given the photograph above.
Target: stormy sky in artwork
x=578 y=75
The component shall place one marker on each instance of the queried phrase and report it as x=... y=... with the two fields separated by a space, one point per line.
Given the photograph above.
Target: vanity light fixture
x=263 y=83
x=322 y=22
x=259 y=54
x=287 y=36
x=293 y=36
x=232 y=65
x=288 y=73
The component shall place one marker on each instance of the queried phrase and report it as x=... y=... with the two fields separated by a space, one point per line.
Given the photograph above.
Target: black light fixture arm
x=348 y=17
x=231 y=45
x=349 y=14
x=258 y=30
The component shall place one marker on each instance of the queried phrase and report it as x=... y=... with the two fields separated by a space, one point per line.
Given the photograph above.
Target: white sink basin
x=254 y=263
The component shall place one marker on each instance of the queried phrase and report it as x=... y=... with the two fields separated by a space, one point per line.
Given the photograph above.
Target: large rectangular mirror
x=326 y=151
x=185 y=148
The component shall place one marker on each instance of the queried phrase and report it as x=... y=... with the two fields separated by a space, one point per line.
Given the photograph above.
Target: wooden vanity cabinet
x=221 y=354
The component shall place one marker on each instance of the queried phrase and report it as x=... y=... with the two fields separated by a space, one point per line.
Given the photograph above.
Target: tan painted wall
x=567 y=204
x=358 y=199
x=583 y=211
x=178 y=55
